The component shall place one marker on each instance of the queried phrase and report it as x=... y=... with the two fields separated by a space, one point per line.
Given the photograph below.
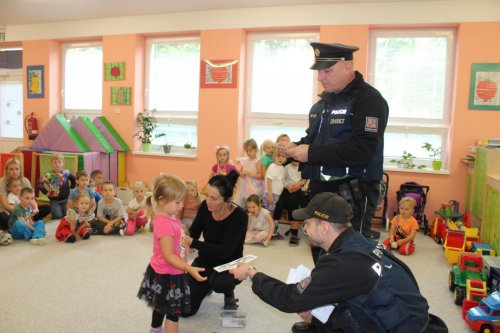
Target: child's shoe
x=70 y=239
x=156 y=329
x=294 y=240
x=38 y=241
x=266 y=242
x=5 y=238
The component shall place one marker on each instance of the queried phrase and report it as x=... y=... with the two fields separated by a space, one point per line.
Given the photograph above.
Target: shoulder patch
x=302 y=285
x=371 y=124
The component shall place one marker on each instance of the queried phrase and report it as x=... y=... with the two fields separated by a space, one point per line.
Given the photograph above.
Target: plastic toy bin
x=454 y=245
x=229 y=318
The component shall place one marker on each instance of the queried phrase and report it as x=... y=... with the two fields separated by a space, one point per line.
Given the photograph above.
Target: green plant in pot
x=435 y=154
x=146 y=124
x=406 y=161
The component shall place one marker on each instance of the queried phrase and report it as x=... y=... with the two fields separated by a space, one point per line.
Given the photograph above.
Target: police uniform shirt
x=368 y=111
x=335 y=278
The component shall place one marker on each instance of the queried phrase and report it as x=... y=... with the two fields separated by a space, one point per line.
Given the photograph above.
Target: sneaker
x=70 y=239
x=5 y=238
x=303 y=327
x=294 y=240
x=266 y=242
x=38 y=241
x=156 y=329
x=121 y=232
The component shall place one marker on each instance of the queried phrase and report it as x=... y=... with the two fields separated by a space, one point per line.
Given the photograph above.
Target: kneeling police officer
x=371 y=290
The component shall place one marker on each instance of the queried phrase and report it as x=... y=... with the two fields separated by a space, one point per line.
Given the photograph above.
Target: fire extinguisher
x=31 y=126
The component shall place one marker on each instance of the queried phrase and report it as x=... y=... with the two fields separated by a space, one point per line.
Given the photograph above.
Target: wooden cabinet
x=483 y=195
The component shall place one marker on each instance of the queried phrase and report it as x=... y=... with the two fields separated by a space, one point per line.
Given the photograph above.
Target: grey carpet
x=91 y=286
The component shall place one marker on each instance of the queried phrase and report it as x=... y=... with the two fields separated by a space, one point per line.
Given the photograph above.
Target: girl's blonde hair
x=193 y=184
x=264 y=144
x=138 y=184
x=167 y=187
x=408 y=200
x=11 y=161
x=250 y=144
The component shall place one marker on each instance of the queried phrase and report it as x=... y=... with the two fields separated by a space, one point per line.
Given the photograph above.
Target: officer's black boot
x=230 y=303
x=303 y=327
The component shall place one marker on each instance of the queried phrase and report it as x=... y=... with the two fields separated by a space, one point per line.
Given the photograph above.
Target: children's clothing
x=140 y=220
x=290 y=200
x=250 y=185
x=13 y=199
x=223 y=170
x=258 y=227
x=164 y=287
x=19 y=230
x=266 y=160
x=56 y=186
x=189 y=211
x=404 y=228
x=276 y=173
x=63 y=231
x=109 y=211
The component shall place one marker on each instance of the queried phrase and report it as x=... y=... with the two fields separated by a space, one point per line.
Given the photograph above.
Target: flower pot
x=147 y=147
x=437 y=164
x=167 y=149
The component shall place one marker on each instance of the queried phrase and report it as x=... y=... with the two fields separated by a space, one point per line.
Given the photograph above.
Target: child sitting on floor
x=137 y=218
x=82 y=182
x=109 y=213
x=260 y=223
x=21 y=224
x=76 y=224
x=403 y=228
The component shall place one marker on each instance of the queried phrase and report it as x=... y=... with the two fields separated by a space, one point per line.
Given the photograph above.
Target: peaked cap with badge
x=327 y=55
x=326 y=206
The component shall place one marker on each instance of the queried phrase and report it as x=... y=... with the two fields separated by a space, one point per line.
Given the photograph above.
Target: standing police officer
x=342 y=151
x=371 y=290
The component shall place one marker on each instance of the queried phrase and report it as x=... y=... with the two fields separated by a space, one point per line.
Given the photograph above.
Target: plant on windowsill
x=146 y=124
x=435 y=154
x=406 y=161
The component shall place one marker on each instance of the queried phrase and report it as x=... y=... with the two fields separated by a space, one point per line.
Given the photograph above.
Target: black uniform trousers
x=223 y=283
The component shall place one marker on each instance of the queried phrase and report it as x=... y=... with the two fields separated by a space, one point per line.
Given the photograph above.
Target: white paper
x=300 y=273
x=234 y=263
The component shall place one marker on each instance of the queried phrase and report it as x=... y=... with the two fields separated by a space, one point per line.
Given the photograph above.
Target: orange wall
x=221 y=110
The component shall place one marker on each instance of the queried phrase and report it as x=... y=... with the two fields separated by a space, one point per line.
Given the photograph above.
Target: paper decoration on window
x=121 y=95
x=218 y=74
x=114 y=71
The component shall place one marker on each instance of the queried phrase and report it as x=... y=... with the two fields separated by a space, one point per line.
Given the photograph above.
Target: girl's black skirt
x=165 y=293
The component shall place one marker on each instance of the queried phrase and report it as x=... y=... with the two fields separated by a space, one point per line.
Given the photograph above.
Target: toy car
x=485 y=318
x=469 y=266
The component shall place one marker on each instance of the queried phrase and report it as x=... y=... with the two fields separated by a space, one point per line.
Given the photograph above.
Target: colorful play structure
x=85 y=144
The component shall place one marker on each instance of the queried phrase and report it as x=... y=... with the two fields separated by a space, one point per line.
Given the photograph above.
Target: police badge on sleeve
x=371 y=124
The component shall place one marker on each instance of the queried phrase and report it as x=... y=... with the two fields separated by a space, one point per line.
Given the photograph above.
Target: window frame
x=278 y=120
x=86 y=112
x=420 y=125
x=167 y=117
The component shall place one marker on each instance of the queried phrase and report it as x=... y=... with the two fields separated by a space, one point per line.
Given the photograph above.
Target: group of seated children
x=277 y=183
x=85 y=205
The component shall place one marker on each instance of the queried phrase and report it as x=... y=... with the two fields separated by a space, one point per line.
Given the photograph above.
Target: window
x=413 y=69
x=281 y=87
x=11 y=103
x=172 y=88
x=82 y=78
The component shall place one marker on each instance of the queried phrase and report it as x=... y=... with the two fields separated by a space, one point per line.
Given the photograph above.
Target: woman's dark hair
x=225 y=184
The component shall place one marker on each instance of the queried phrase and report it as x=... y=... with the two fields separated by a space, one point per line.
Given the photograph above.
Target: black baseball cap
x=326 y=206
x=327 y=55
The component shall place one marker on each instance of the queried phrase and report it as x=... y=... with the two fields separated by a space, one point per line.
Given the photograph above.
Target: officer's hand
x=240 y=272
x=306 y=316
x=283 y=146
x=299 y=153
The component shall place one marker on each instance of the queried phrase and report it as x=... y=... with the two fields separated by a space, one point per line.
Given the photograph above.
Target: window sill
x=176 y=153
x=415 y=170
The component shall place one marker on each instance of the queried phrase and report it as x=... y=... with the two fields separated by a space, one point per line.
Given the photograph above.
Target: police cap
x=326 y=55
x=326 y=206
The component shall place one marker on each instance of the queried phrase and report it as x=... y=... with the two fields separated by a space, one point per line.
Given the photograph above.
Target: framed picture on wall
x=484 y=87
x=218 y=74
x=35 y=81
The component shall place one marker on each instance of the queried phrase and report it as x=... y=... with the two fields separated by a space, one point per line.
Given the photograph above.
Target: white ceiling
x=20 y=12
